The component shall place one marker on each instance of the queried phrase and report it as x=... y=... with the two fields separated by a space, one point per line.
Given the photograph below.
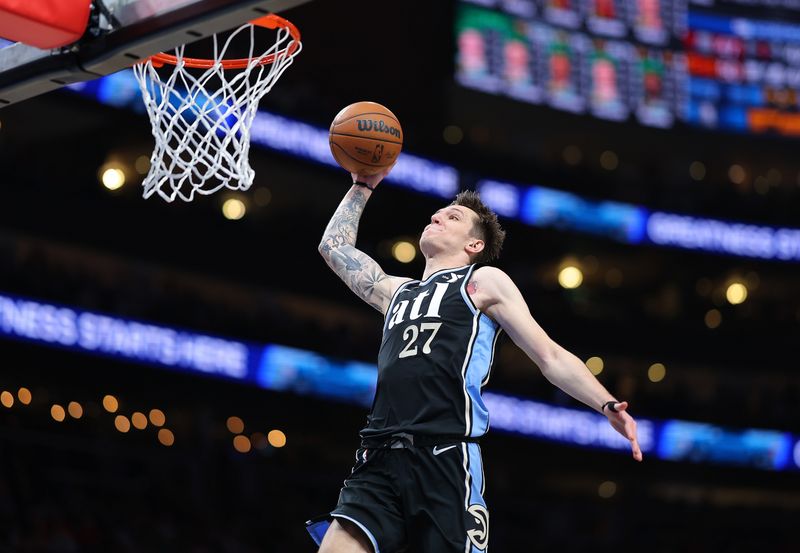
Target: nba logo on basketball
x=378 y=153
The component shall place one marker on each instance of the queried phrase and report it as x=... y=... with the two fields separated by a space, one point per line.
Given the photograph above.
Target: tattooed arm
x=358 y=270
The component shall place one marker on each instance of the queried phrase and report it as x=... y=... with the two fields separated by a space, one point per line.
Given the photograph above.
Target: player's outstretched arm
x=360 y=272
x=500 y=298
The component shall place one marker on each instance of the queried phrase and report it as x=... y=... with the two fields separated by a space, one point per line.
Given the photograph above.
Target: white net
x=201 y=118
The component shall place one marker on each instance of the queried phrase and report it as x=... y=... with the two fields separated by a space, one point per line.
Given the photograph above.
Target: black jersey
x=435 y=358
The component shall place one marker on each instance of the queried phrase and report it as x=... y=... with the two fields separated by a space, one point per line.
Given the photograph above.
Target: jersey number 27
x=412 y=332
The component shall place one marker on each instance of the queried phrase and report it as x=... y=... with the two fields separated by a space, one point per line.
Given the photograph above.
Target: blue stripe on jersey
x=474 y=484
x=475 y=474
x=480 y=363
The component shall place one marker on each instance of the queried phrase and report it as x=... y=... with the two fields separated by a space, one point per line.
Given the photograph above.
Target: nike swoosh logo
x=437 y=451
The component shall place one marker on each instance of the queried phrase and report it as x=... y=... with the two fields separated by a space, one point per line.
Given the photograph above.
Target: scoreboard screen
x=718 y=64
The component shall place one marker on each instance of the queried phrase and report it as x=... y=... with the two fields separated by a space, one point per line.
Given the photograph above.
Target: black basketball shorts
x=426 y=499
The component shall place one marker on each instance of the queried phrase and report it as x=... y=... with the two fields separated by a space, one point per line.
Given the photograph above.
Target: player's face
x=450 y=230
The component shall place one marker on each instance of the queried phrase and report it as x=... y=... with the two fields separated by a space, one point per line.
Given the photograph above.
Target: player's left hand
x=373 y=180
x=623 y=423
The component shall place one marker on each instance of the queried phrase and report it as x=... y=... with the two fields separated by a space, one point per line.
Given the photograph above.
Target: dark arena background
x=191 y=377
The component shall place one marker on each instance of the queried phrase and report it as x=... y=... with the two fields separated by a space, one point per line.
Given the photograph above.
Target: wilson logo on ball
x=378 y=126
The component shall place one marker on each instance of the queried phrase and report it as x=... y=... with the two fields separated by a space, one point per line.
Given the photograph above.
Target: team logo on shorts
x=479 y=533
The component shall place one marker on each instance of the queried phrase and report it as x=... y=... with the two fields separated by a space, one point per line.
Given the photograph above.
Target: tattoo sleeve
x=338 y=247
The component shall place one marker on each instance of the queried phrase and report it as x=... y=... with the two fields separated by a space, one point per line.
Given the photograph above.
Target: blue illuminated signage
x=305 y=372
x=573 y=426
x=698 y=442
x=133 y=341
x=666 y=229
x=535 y=205
x=281 y=368
x=554 y=208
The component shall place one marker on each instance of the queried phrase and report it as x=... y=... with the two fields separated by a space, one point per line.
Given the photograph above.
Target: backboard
x=120 y=33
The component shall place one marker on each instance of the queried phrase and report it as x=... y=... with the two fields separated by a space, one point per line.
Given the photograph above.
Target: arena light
x=110 y=403
x=404 y=251
x=713 y=318
x=7 y=399
x=276 y=438
x=75 y=409
x=157 y=417
x=139 y=421
x=24 y=395
x=142 y=165
x=607 y=489
x=697 y=170
x=570 y=277
x=453 y=134
x=58 y=413
x=166 y=437
x=609 y=160
x=736 y=174
x=122 y=423
x=235 y=425
x=241 y=443
x=656 y=372
x=112 y=176
x=595 y=365
x=736 y=293
x=233 y=209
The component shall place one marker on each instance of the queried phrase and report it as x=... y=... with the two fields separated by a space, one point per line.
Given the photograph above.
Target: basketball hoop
x=201 y=122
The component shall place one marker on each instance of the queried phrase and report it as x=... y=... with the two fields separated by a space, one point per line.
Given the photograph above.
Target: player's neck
x=437 y=263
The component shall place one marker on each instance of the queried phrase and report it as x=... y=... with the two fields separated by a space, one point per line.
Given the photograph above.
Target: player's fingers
x=637 y=451
x=630 y=433
x=621 y=406
x=630 y=429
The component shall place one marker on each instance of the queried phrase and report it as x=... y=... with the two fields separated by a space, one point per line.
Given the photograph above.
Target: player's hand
x=623 y=423
x=373 y=180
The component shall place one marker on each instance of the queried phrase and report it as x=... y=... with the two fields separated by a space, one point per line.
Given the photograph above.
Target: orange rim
x=270 y=21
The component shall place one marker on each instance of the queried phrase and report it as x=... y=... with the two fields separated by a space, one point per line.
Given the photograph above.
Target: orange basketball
x=365 y=138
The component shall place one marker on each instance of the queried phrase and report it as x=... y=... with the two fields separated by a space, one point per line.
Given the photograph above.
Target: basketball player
x=417 y=484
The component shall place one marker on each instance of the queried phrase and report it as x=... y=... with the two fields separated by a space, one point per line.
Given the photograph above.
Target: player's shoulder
x=398 y=281
x=491 y=280
x=395 y=283
x=489 y=272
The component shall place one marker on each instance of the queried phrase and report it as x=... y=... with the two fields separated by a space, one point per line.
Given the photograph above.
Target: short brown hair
x=487 y=228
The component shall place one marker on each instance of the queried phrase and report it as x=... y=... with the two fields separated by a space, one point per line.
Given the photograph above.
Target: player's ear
x=475 y=245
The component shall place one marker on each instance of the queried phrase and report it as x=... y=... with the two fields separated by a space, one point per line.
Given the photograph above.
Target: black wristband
x=610 y=405
x=364 y=184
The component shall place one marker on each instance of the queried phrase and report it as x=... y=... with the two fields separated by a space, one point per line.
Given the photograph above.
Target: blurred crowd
x=80 y=486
